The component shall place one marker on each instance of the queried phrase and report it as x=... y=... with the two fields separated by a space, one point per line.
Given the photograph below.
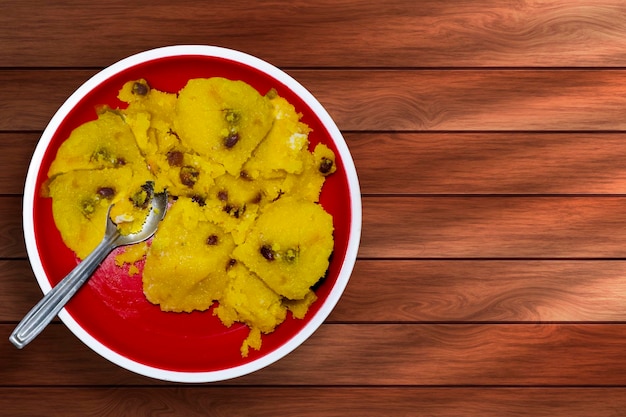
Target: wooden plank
x=576 y=355
x=456 y=227
x=313 y=402
x=435 y=291
x=471 y=100
x=489 y=163
x=18 y=289
x=31 y=97
x=11 y=230
x=17 y=150
x=442 y=163
x=400 y=100
x=333 y=33
x=483 y=291
x=57 y=357
x=455 y=355
x=494 y=227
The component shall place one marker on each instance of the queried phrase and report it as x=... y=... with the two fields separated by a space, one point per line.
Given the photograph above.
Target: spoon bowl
x=49 y=306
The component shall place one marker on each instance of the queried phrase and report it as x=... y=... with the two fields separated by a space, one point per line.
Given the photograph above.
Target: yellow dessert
x=222 y=120
x=289 y=246
x=187 y=263
x=106 y=142
x=80 y=203
x=244 y=230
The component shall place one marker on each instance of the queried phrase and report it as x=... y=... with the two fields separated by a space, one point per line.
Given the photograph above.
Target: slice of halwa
x=318 y=165
x=247 y=299
x=186 y=265
x=150 y=114
x=289 y=246
x=80 y=202
x=281 y=151
x=106 y=142
x=223 y=120
x=299 y=308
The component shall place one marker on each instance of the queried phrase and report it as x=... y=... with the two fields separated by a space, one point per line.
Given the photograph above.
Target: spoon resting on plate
x=49 y=306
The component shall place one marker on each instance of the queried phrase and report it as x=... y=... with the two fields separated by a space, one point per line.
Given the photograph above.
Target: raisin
x=326 y=165
x=231 y=140
x=106 y=192
x=212 y=240
x=231 y=263
x=257 y=198
x=199 y=200
x=234 y=211
x=140 y=89
x=245 y=176
x=189 y=176
x=120 y=161
x=222 y=195
x=268 y=253
x=175 y=158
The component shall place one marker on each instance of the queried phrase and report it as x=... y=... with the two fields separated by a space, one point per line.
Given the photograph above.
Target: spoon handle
x=49 y=306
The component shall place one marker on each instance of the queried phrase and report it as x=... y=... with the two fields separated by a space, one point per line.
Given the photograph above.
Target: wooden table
x=489 y=141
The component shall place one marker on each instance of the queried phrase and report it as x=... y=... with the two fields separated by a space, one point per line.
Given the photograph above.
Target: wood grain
x=483 y=291
x=459 y=355
x=573 y=355
x=329 y=33
x=11 y=232
x=493 y=227
x=18 y=289
x=17 y=151
x=471 y=100
x=314 y=401
x=442 y=163
x=489 y=163
x=435 y=291
x=394 y=100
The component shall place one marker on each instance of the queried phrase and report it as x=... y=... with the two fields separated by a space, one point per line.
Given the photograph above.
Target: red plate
x=110 y=314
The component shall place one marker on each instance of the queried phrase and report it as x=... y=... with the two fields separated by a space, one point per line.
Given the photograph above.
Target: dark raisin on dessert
x=106 y=192
x=198 y=199
x=245 y=176
x=189 y=176
x=231 y=140
x=222 y=195
x=268 y=253
x=230 y=263
x=212 y=240
x=140 y=88
x=233 y=210
x=326 y=165
x=175 y=158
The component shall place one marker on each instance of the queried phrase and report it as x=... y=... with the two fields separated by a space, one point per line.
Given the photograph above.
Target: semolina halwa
x=244 y=231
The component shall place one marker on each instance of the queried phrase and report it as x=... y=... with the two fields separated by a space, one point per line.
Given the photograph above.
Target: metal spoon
x=50 y=305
